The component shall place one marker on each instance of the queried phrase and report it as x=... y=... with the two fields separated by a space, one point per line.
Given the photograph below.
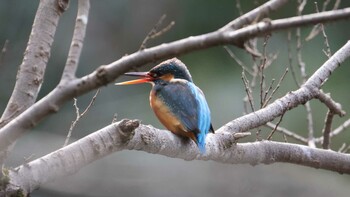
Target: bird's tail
x=201 y=142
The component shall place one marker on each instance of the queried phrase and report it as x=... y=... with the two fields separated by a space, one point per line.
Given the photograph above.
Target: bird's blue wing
x=187 y=102
x=182 y=103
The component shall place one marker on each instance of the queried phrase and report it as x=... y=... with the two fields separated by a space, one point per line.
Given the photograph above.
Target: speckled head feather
x=172 y=66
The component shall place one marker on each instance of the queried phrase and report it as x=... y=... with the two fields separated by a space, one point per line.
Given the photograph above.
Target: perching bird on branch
x=177 y=102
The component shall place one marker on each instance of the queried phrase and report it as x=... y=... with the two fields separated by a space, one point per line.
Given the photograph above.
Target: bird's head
x=165 y=71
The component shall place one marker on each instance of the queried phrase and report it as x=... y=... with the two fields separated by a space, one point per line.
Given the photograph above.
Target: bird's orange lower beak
x=144 y=78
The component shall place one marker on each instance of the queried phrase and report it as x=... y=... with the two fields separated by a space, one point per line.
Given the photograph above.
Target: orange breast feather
x=167 y=118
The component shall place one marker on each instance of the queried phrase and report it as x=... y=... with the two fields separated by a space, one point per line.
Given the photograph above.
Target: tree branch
x=108 y=73
x=305 y=93
x=335 y=107
x=327 y=129
x=255 y=15
x=31 y=72
x=287 y=132
x=123 y=136
x=77 y=41
x=336 y=131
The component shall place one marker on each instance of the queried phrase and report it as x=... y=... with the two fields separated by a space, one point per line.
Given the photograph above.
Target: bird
x=176 y=101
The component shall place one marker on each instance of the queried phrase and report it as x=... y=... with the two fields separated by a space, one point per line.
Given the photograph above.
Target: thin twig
x=287 y=132
x=311 y=138
x=248 y=90
x=270 y=59
x=302 y=66
x=258 y=136
x=115 y=118
x=3 y=52
x=290 y=59
x=274 y=129
x=163 y=31
x=318 y=27
x=155 y=32
x=328 y=52
x=336 y=4
x=255 y=72
x=261 y=71
x=239 y=62
x=327 y=129
x=347 y=149
x=276 y=88
x=285 y=138
x=79 y=116
x=268 y=90
x=342 y=147
x=239 y=8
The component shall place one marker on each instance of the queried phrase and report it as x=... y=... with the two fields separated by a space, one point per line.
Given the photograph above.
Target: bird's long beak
x=144 y=78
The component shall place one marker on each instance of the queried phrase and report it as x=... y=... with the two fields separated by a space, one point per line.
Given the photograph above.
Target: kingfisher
x=176 y=101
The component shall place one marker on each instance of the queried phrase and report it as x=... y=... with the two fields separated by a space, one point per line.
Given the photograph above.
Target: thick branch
x=77 y=41
x=106 y=74
x=122 y=135
x=262 y=28
x=70 y=159
x=31 y=72
x=256 y=14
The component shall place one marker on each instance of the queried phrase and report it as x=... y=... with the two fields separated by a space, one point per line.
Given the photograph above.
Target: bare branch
x=268 y=90
x=290 y=59
x=287 y=132
x=3 y=52
x=77 y=41
x=276 y=88
x=79 y=115
x=31 y=71
x=327 y=129
x=335 y=107
x=128 y=135
x=155 y=32
x=258 y=13
x=342 y=148
x=239 y=62
x=239 y=8
x=336 y=131
x=261 y=71
x=336 y=4
x=292 y=99
x=108 y=73
x=302 y=66
x=328 y=49
x=274 y=129
x=319 y=27
x=310 y=125
x=260 y=29
x=248 y=90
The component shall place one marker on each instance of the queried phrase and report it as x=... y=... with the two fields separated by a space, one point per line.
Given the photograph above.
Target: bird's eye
x=154 y=75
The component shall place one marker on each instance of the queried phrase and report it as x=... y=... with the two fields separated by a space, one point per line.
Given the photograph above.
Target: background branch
x=108 y=73
x=221 y=147
x=31 y=72
x=305 y=93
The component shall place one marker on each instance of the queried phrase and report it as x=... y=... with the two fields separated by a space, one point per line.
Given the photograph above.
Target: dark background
x=117 y=28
